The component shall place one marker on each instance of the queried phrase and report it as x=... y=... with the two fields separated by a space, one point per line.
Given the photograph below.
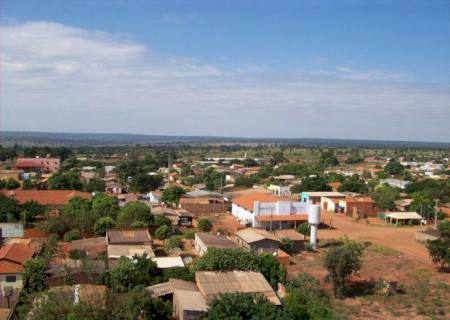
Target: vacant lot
x=397 y=238
x=423 y=294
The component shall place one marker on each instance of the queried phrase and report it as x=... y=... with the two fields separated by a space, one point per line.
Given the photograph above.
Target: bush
x=189 y=234
x=303 y=229
x=162 y=220
x=72 y=235
x=172 y=243
x=139 y=225
x=163 y=232
x=77 y=254
x=204 y=225
x=287 y=245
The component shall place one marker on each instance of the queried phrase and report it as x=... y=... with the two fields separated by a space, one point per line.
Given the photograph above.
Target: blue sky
x=331 y=69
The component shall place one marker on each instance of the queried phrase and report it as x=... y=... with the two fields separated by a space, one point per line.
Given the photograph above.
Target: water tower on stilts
x=314 y=221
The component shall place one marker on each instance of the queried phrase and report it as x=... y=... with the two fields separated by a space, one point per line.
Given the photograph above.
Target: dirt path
x=398 y=238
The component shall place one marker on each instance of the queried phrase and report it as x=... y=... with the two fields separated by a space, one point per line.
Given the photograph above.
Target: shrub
x=303 y=229
x=204 y=225
x=162 y=220
x=77 y=254
x=163 y=232
x=172 y=243
x=72 y=235
x=287 y=245
x=139 y=225
x=189 y=234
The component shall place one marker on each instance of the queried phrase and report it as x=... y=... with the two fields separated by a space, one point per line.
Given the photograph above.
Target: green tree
x=342 y=262
x=9 y=209
x=161 y=220
x=328 y=159
x=69 y=180
x=171 y=195
x=303 y=229
x=134 y=211
x=12 y=184
x=72 y=235
x=204 y=224
x=439 y=250
x=305 y=299
x=244 y=181
x=242 y=306
x=95 y=185
x=354 y=184
x=143 y=182
x=232 y=259
x=130 y=273
x=31 y=209
x=173 y=242
x=103 y=224
x=163 y=232
x=287 y=245
x=77 y=215
x=27 y=185
x=385 y=197
x=104 y=206
x=35 y=274
x=444 y=229
x=393 y=167
x=422 y=203
x=140 y=305
x=313 y=183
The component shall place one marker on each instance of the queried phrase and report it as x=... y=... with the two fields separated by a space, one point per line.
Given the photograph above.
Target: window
x=10 y=278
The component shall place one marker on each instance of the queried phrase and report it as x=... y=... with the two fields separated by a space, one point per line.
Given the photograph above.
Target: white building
x=395 y=183
x=260 y=210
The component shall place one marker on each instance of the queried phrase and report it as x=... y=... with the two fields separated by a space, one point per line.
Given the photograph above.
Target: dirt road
x=398 y=238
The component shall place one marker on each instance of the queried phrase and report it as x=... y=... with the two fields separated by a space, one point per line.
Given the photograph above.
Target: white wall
x=241 y=214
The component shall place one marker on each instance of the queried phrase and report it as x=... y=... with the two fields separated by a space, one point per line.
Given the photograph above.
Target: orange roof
x=46 y=197
x=247 y=201
x=13 y=256
x=283 y=217
x=359 y=199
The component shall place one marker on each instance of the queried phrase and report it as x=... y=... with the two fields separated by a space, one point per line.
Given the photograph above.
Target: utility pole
x=436 y=213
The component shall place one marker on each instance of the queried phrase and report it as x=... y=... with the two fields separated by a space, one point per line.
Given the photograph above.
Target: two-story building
x=269 y=212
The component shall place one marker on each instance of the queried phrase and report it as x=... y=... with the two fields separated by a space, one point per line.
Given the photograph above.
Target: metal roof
x=251 y=235
x=212 y=284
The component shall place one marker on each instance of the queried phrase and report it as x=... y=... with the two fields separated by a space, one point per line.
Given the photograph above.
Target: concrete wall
x=200 y=247
x=241 y=214
x=328 y=204
x=18 y=284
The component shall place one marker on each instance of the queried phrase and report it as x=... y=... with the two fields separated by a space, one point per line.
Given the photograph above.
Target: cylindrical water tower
x=314 y=221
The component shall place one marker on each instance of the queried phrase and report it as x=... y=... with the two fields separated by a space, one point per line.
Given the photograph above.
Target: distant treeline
x=109 y=139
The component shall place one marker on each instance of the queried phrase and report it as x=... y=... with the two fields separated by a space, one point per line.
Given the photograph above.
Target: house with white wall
x=269 y=212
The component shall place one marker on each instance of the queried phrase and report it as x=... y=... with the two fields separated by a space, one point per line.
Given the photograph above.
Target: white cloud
x=59 y=78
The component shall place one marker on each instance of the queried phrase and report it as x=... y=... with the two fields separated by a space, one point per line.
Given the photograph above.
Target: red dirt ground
x=397 y=238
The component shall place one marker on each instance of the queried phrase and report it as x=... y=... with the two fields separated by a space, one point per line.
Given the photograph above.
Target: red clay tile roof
x=46 y=197
x=247 y=201
x=13 y=256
